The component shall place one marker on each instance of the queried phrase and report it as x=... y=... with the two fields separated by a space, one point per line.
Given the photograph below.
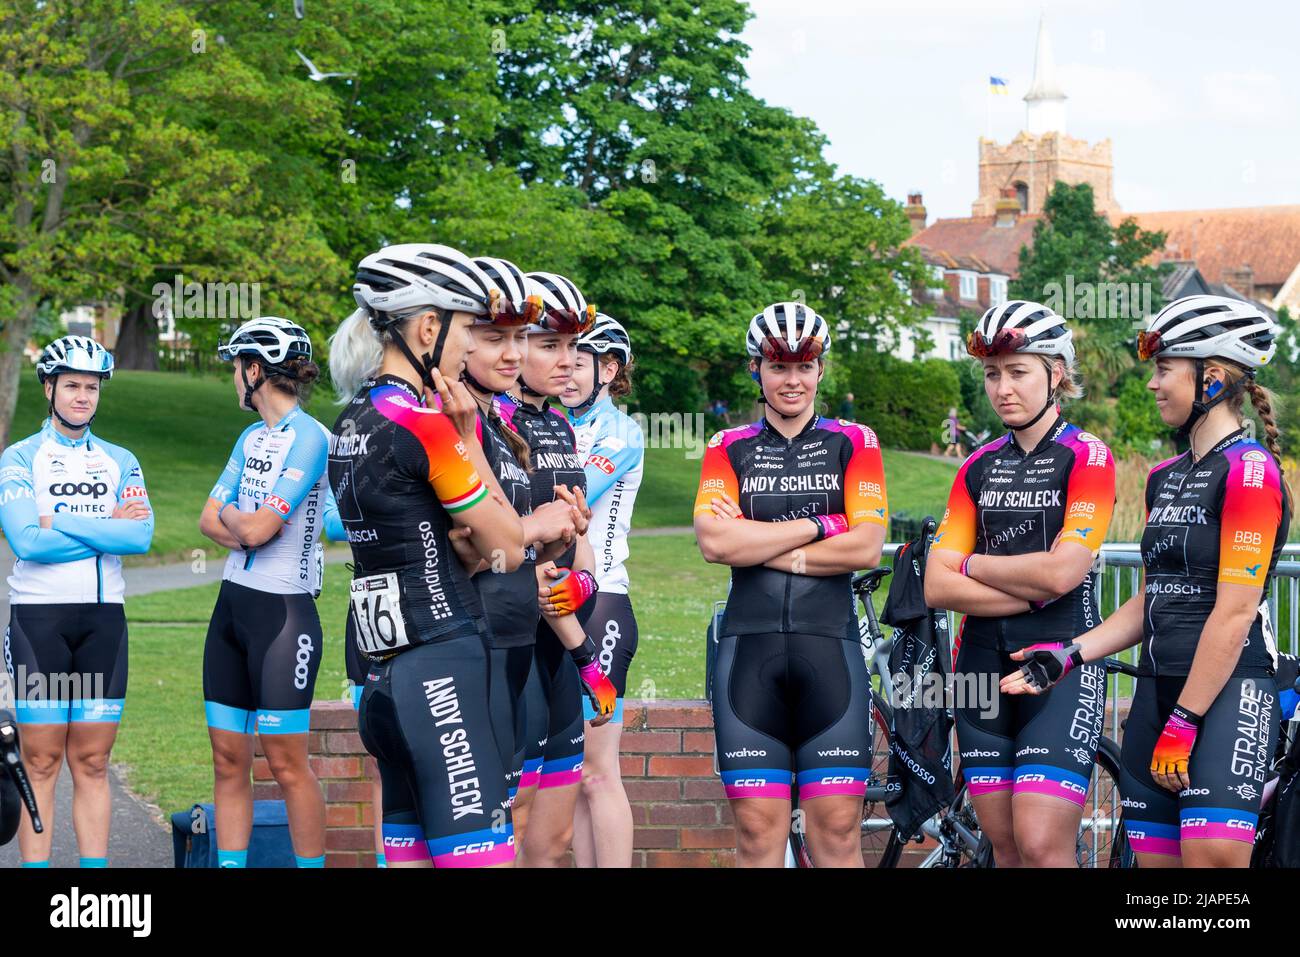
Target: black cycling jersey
x=509 y=598
x=399 y=471
x=552 y=444
x=1222 y=519
x=1006 y=501
x=831 y=467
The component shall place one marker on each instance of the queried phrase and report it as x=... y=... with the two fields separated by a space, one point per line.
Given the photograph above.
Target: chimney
x=915 y=212
x=1242 y=279
x=1007 y=209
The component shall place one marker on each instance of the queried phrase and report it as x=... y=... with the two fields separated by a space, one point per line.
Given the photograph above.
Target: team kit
x=484 y=479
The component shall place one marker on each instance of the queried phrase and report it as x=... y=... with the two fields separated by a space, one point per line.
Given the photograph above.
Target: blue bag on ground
x=194 y=836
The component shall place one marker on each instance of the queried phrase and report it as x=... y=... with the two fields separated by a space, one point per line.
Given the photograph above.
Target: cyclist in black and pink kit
x=794 y=503
x=1199 y=737
x=1014 y=552
x=404 y=475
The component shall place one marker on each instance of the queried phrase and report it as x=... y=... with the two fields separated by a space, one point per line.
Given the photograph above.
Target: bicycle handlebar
x=11 y=762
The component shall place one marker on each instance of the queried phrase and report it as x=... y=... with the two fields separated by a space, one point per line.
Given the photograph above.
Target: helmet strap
x=71 y=426
x=593 y=396
x=1050 y=404
x=1200 y=406
x=250 y=387
x=424 y=368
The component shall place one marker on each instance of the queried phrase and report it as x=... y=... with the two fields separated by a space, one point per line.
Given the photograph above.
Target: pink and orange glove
x=571 y=591
x=1174 y=746
x=599 y=689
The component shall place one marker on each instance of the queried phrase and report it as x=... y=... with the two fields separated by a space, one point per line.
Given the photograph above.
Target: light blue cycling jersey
x=79 y=482
x=283 y=469
x=612 y=449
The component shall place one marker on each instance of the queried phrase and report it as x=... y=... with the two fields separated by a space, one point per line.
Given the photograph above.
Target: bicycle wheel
x=1102 y=841
x=879 y=848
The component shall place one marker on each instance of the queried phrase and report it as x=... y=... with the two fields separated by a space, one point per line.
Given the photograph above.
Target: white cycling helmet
x=393 y=282
x=74 y=354
x=1021 y=326
x=606 y=337
x=513 y=298
x=788 y=332
x=273 y=340
x=564 y=308
x=1201 y=327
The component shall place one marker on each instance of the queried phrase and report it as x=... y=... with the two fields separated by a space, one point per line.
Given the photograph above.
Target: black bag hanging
x=920 y=757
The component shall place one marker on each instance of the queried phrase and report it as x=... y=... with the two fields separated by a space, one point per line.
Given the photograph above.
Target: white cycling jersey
x=76 y=484
x=283 y=469
x=612 y=447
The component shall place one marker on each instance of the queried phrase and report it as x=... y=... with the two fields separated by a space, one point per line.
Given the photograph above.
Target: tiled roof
x=977 y=240
x=1266 y=238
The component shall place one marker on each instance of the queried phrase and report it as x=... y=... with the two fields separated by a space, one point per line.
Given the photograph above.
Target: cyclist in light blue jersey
x=263 y=645
x=611 y=446
x=70 y=505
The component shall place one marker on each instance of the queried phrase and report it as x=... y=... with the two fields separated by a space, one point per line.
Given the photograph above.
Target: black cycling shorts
x=354 y=661
x=260 y=661
x=68 y=662
x=558 y=689
x=509 y=668
x=789 y=709
x=536 y=722
x=425 y=717
x=1227 y=767
x=609 y=622
x=1031 y=744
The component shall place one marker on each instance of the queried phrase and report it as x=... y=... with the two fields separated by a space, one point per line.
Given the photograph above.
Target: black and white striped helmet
x=564 y=308
x=397 y=280
x=273 y=340
x=607 y=337
x=513 y=298
x=1021 y=326
x=788 y=332
x=74 y=354
x=1201 y=327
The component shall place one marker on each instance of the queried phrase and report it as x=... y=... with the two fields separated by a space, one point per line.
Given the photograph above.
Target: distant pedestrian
x=846 y=407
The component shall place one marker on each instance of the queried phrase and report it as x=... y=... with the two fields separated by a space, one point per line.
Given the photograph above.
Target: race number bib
x=377 y=609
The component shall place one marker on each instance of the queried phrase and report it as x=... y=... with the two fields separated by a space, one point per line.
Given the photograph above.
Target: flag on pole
x=997 y=85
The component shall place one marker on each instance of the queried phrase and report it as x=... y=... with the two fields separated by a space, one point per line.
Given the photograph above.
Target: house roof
x=1266 y=238
x=976 y=238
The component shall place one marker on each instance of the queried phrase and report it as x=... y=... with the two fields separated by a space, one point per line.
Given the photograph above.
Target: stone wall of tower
x=1038 y=162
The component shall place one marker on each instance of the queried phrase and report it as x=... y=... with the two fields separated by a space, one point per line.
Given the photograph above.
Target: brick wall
x=679 y=808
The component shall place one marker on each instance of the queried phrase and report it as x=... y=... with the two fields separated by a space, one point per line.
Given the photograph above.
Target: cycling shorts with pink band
x=791 y=695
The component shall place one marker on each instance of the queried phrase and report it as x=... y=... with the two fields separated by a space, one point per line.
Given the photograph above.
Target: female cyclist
x=548 y=788
x=264 y=641
x=1014 y=553
x=70 y=504
x=404 y=475
x=794 y=503
x=611 y=445
x=1199 y=737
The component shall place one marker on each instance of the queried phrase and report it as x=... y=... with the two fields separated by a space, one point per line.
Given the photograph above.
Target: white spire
x=1045 y=101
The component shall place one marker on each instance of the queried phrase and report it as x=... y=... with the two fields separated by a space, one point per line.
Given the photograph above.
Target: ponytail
x=1262 y=399
x=356 y=353
x=518 y=445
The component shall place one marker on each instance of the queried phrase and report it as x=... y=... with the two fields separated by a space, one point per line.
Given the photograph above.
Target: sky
x=1202 y=108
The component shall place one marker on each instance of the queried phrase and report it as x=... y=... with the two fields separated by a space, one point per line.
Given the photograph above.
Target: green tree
x=1085 y=268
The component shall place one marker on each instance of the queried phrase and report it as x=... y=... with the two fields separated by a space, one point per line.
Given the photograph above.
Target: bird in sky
x=315 y=74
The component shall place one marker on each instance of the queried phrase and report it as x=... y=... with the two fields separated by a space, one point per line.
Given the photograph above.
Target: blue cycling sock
x=232 y=858
x=309 y=861
x=381 y=861
x=94 y=862
x=34 y=864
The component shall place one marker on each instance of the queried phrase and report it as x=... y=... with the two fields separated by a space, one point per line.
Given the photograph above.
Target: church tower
x=1042 y=153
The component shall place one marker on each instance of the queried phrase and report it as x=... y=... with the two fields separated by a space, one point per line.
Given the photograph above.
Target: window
x=967 y=288
x=936 y=278
x=997 y=290
x=1022 y=196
